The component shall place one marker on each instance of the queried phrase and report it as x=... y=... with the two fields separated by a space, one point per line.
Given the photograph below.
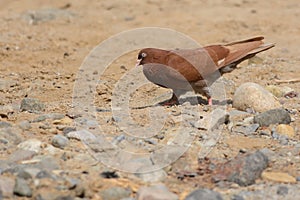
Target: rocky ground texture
x=246 y=146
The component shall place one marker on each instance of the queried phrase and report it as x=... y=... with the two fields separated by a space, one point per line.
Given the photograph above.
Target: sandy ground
x=40 y=55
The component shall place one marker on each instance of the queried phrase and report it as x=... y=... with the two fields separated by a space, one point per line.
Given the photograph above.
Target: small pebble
x=115 y=193
x=60 y=141
x=157 y=192
x=25 y=125
x=32 y=105
x=22 y=188
x=204 y=194
x=282 y=190
x=274 y=116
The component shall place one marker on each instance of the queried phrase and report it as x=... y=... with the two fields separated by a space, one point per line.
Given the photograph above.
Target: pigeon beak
x=138 y=62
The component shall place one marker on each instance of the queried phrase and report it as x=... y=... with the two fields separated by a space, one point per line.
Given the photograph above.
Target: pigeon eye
x=142 y=55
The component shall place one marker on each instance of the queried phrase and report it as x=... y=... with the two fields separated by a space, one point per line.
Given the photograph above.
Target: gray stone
x=22 y=188
x=282 y=190
x=60 y=141
x=115 y=193
x=9 y=137
x=55 y=116
x=204 y=194
x=155 y=176
x=274 y=116
x=243 y=170
x=213 y=120
x=44 y=174
x=254 y=96
x=156 y=192
x=67 y=130
x=31 y=145
x=4 y=124
x=246 y=129
x=237 y=197
x=32 y=105
x=48 y=14
x=24 y=174
x=39 y=119
x=25 y=125
x=21 y=155
x=6 y=186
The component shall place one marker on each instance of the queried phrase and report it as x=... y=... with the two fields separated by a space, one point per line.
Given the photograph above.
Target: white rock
x=254 y=96
x=31 y=145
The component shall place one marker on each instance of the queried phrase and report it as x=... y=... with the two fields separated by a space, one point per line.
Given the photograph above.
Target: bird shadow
x=192 y=100
x=199 y=100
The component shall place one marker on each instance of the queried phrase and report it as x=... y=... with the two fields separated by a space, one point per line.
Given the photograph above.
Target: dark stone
x=60 y=141
x=32 y=105
x=237 y=197
x=4 y=124
x=115 y=193
x=204 y=194
x=44 y=174
x=282 y=190
x=22 y=188
x=243 y=170
x=274 y=116
x=68 y=129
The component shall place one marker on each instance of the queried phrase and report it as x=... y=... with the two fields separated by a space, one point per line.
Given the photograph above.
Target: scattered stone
x=32 y=105
x=4 y=124
x=284 y=129
x=284 y=140
x=9 y=137
x=31 y=145
x=22 y=188
x=252 y=95
x=282 y=190
x=24 y=174
x=237 y=197
x=21 y=155
x=213 y=120
x=278 y=177
x=204 y=194
x=246 y=129
x=274 y=116
x=39 y=119
x=154 y=176
x=6 y=186
x=60 y=141
x=115 y=193
x=157 y=192
x=271 y=155
x=243 y=170
x=44 y=174
x=55 y=116
x=237 y=115
x=25 y=125
x=68 y=129
x=32 y=171
x=43 y=15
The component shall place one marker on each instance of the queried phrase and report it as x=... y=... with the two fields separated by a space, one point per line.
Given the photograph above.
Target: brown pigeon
x=185 y=70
